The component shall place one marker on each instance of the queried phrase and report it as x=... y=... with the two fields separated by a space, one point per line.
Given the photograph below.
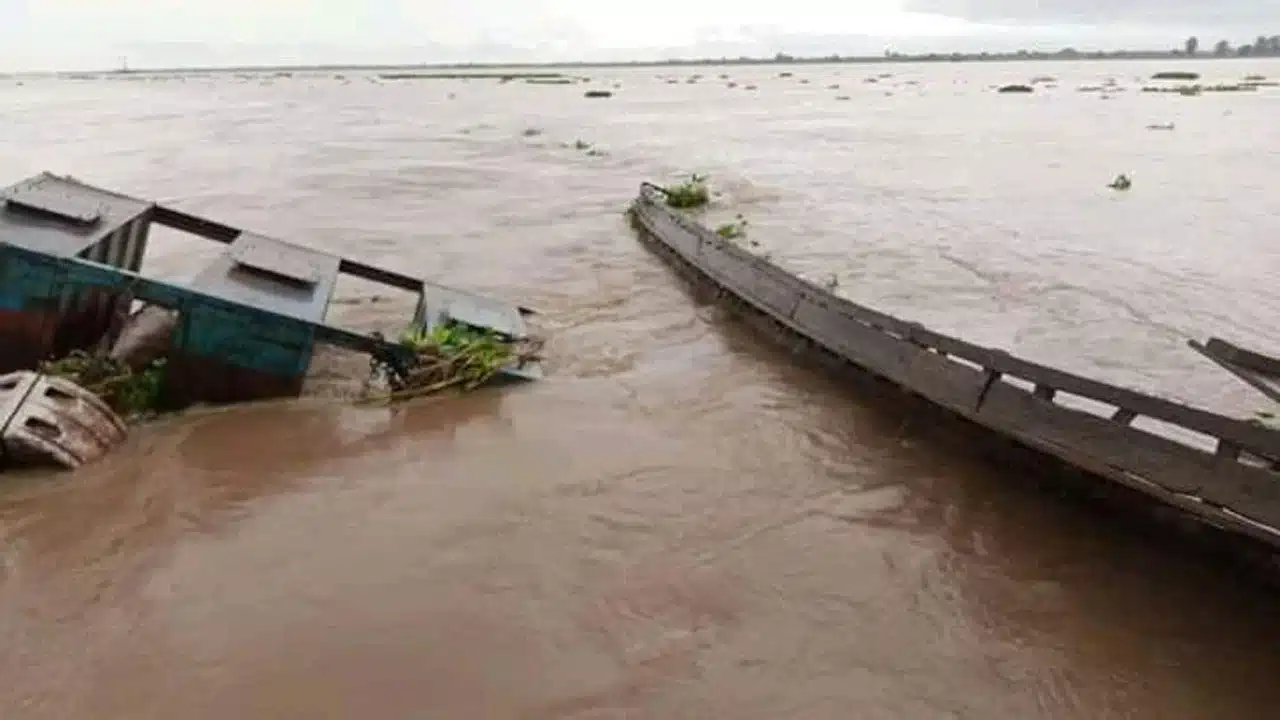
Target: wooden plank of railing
x=1259 y=371
x=1247 y=359
x=186 y=222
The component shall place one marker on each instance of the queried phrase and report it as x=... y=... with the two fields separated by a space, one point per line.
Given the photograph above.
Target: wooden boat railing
x=1234 y=480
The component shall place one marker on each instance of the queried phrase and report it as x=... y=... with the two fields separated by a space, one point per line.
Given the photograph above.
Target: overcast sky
x=62 y=34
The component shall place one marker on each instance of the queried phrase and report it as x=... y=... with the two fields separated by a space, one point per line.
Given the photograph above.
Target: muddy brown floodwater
x=678 y=522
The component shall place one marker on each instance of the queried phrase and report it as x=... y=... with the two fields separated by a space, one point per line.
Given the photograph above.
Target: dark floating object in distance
x=505 y=77
x=597 y=94
x=1016 y=89
x=1122 y=182
x=1176 y=75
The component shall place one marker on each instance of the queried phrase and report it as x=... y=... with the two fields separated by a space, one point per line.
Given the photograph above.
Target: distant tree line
x=1263 y=46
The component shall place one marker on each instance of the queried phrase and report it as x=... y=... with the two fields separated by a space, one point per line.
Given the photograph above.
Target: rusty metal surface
x=26 y=338
x=46 y=420
x=1230 y=489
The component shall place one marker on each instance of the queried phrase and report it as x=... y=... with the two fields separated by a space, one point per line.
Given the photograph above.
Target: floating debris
x=51 y=421
x=1122 y=182
x=1193 y=90
x=598 y=94
x=1016 y=89
x=1176 y=75
x=504 y=77
x=450 y=355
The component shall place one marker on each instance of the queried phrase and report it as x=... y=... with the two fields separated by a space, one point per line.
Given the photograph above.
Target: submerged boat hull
x=51 y=421
x=1228 y=476
x=248 y=324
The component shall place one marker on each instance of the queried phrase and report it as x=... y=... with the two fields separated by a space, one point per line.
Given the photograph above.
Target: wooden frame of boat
x=71 y=265
x=1222 y=471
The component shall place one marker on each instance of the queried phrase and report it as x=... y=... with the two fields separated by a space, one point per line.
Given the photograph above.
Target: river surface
x=677 y=522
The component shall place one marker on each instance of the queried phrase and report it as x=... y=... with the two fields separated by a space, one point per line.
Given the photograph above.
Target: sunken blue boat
x=71 y=260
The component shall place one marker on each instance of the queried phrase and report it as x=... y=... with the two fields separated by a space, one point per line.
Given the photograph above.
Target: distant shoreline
x=781 y=59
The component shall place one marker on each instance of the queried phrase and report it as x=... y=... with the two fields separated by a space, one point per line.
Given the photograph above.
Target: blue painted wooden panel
x=261 y=342
x=26 y=281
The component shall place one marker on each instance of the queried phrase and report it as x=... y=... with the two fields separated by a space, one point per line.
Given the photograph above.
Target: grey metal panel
x=228 y=279
x=279 y=258
x=439 y=304
x=58 y=236
x=43 y=199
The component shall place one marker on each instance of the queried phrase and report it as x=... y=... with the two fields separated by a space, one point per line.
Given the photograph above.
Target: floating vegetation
x=689 y=194
x=1122 y=182
x=1176 y=75
x=132 y=395
x=1016 y=89
x=450 y=355
x=735 y=230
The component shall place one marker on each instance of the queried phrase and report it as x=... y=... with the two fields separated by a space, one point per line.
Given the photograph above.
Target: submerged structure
x=1219 y=470
x=71 y=268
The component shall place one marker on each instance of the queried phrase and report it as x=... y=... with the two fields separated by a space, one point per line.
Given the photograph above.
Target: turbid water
x=677 y=522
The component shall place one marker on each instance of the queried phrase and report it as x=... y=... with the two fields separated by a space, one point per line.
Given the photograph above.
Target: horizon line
x=1063 y=55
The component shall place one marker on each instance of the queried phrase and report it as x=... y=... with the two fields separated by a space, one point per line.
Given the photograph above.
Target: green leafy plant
x=689 y=194
x=454 y=355
x=131 y=394
x=733 y=230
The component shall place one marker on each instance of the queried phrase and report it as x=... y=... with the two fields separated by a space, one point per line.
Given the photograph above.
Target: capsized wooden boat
x=71 y=267
x=1219 y=470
